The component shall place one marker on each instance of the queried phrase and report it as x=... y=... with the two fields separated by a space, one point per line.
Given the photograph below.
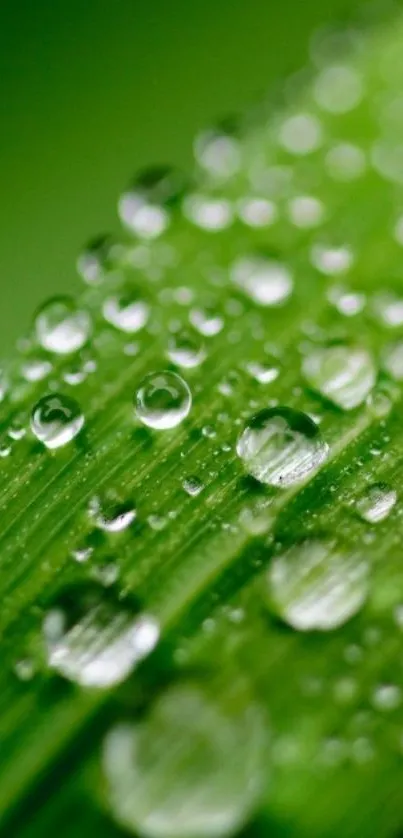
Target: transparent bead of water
x=305 y=211
x=61 y=327
x=386 y=697
x=392 y=360
x=301 y=134
x=110 y=514
x=192 y=767
x=127 y=310
x=56 y=419
x=212 y=214
x=338 y=89
x=163 y=400
x=316 y=585
x=331 y=260
x=36 y=369
x=93 y=640
x=281 y=446
x=263 y=371
x=218 y=153
x=95 y=260
x=266 y=281
x=257 y=212
x=193 y=486
x=206 y=320
x=387 y=306
x=186 y=349
x=145 y=207
x=345 y=162
x=343 y=374
x=376 y=503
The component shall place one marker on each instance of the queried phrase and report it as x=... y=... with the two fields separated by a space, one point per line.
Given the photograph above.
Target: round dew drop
x=127 y=311
x=266 y=281
x=56 y=419
x=193 y=767
x=145 y=207
x=111 y=515
x=61 y=327
x=316 y=586
x=343 y=374
x=186 y=349
x=376 y=503
x=163 y=400
x=281 y=446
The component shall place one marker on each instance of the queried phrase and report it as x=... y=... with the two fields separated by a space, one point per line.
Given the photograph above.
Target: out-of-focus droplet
x=338 y=89
x=345 y=162
x=388 y=308
x=127 y=310
x=145 y=207
x=186 y=349
x=61 y=327
x=392 y=360
x=95 y=260
x=266 y=281
x=208 y=213
x=163 y=400
x=331 y=261
x=376 y=503
x=263 y=371
x=93 y=640
x=257 y=212
x=110 y=514
x=56 y=419
x=386 y=697
x=301 y=134
x=218 y=153
x=193 y=767
x=315 y=585
x=36 y=369
x=281 y=446
x=206 y=320
x=349 y=303
x=343 y=374
x=305 y=211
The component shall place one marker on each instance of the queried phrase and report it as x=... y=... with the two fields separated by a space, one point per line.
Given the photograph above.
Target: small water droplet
x=126 y=310
x=185 y=349
x=343 y=374
x=206 y=320
x=257 y=212
x=218 y=153
x=94 y=641
x=193 y=486
x=386 y=697
x=349 y=303
x=61 y=327
x=110 y=514
x=315 y=585
x=263 y=372
x=266 y=281
x=95 y=260
x=305 y=211
x=345 y=162
x=392 y=359
x=376 y=503
x=163 y=400
x=145 y=207
x=281 y=446
x=36 y=369
x=338 y=89
x=301 y=134
x=388 y=308
x=208 y=213
x=192 y=767
x=331 y=261
x=56 y=419
x=25 y=669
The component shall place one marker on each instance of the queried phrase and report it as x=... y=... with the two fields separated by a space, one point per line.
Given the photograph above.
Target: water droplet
x=331 y=261
x=95 y=260
x=163 y=400
x=281 y=446
x=266 y=281
x=257 y=212
x=392 y=360
x=209 y=213
x=388 y=308
x=315 y=585
x=345 y=162
x=193 y=486
x=301 y=134
x=207 y=321
x=386 y=697
x=56 y=420
x=185 y=349
x=338 y=89
x=126 y=310
x=218 y=153
x=106 y=573
x=144 y=207
x=94 y=641
x=349 y=303
x=306 y=211
x=36 y=369
x=24 y=669
x=61 y=327
x=191 y=768
x=264 y=373
x=343 y=374
x=376 y=503
x=110 y=514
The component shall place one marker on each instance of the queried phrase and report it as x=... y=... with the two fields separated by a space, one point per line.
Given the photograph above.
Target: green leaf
x=248 y=542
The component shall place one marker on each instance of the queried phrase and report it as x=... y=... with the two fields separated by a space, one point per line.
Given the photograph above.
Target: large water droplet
x=163 y=400
x=316 y=585
x=126 y=310
x=281 y=446
x=343 y=374
x=93 y=640
x=264 y=280
x=144 y=207
x=191 y=768
x=61 y=327
x=376 y=503
x=56 y=419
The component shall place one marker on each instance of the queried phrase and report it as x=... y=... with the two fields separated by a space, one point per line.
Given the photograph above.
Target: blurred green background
x=91 y=90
